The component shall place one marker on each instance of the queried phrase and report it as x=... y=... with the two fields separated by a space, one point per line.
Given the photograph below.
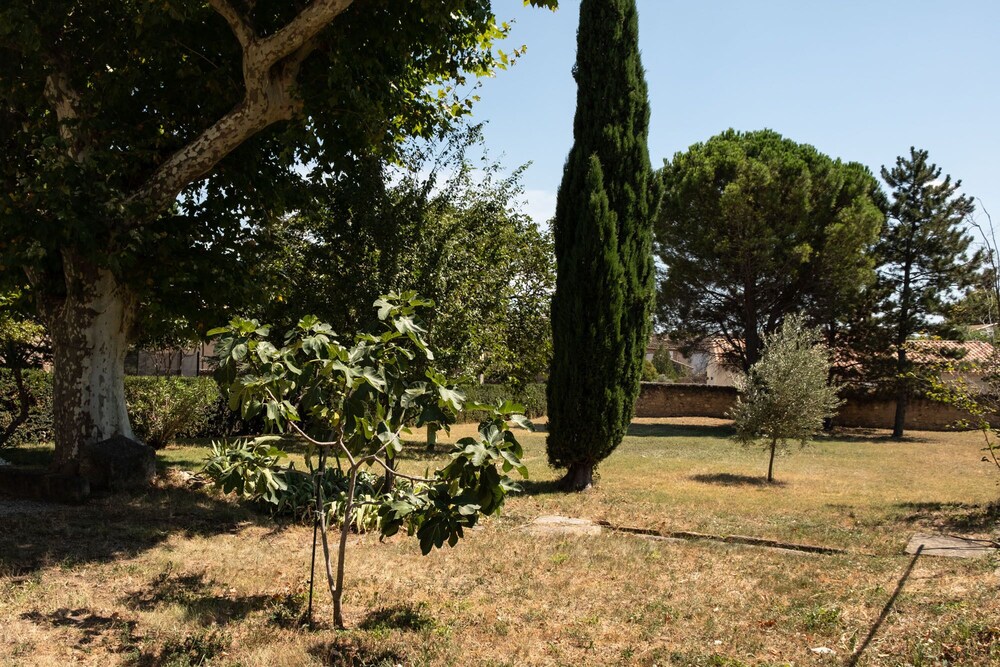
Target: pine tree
x=603 y=242
x=924 y=256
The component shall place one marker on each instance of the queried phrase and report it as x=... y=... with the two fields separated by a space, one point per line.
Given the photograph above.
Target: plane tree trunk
x=89 y=326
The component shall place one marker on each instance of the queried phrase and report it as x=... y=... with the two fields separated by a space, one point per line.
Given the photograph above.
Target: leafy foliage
x=38 y=426
x=530 y=396
x=603 y=244
x=468 y=487
x=22 y=347
x=753 y=227
x=437 y=223
x=356 y=400
x=218 y=421
x=786 y=395
x=148 y=146
x=949 y=383
x=253 y=469
x=161 y=408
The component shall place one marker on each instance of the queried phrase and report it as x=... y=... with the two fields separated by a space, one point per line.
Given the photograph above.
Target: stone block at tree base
x=117 y=464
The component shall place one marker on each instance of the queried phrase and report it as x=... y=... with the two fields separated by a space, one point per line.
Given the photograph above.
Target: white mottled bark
x=270 y=68
x=90 y=324
x=90 y=332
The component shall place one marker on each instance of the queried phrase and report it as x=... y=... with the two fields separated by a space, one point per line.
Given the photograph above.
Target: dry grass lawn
x=183 y=576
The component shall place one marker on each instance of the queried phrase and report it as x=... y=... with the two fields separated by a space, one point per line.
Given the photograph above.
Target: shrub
x=161 y=408
x=38 y=428
x=649 y=373
x=217 y=421
x=352 y=402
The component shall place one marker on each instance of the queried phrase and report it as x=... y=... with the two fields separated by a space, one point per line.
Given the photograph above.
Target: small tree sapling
x=355 y=401
x=786 y=395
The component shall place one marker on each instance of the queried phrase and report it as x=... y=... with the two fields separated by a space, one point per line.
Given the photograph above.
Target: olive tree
x=786 y=395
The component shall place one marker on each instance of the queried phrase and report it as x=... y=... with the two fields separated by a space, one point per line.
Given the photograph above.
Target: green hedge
x=165 y=408
x=531 y=396
x=38 y=428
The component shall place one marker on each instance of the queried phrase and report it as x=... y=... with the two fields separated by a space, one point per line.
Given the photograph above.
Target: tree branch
x=287 y=40
x=238 y=22
x=412 y=478
x=65 y=101
x=270 y=69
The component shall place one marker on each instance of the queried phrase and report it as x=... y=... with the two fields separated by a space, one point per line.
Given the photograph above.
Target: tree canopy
x=441 y=223
x=142 y=141
x=754 y=226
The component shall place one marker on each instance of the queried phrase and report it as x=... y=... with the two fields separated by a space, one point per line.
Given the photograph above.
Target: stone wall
x=660 y=399
x=921 y=414
x=698 y=400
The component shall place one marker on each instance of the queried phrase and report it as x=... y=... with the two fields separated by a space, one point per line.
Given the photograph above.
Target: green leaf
x=523 y=422
x=452 y=398
x=384 y=308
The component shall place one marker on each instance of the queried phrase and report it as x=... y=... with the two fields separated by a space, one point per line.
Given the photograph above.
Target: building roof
x=937 y=351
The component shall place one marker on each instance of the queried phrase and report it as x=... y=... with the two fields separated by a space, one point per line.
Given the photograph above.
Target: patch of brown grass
x=181 y=576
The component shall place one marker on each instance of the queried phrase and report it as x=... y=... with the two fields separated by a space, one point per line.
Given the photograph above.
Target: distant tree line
x=754 y=227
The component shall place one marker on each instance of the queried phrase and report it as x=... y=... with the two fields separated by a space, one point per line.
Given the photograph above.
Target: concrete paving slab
x=562 y=525
x=950 y=546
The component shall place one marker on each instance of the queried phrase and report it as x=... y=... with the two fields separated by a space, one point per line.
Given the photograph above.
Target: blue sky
x=862 y=81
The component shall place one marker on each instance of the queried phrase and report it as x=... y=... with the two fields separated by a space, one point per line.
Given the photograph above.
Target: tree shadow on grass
x=679 y=431
x=952 y=516
x=355 y=651
x=399 y=617
x=531 y=487
x=869 y=436
x=115 y=527
x=730 y=479
x=91 y=626
x=197 y=596
x=416 y=450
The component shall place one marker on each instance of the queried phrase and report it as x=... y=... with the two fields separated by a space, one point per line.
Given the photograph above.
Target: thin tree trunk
x=770 y=463
x=432 y=430
x=752 y=343
x=902 y=395
x=389 y=479
x=579 y=477
x=331 y=582
x=338 y=613
x=25 y=399
x=902 y=335
x=89 y=328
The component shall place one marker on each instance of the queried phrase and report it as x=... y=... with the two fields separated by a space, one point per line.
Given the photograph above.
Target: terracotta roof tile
x=931 y=351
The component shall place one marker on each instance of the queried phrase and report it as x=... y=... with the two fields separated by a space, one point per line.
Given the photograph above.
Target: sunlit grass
x=152 y=578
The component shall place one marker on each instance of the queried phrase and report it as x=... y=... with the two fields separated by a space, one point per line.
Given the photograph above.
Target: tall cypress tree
x=603 y=241
x=924 y=256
